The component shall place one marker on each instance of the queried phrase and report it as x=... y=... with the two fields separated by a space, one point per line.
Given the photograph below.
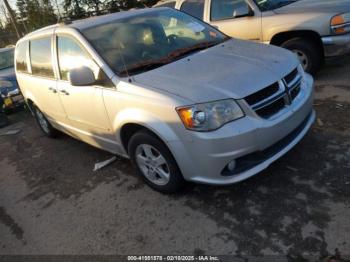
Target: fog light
x=232 y=165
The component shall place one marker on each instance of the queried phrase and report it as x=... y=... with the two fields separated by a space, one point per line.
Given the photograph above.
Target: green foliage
x=35 y=14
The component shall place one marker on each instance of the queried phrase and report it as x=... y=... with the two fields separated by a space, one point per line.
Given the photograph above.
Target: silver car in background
x=179 y=98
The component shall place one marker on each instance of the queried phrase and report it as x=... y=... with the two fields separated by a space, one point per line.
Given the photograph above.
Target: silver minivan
x=179 y=98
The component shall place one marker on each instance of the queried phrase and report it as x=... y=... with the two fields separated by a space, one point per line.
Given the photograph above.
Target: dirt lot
x=51 y=202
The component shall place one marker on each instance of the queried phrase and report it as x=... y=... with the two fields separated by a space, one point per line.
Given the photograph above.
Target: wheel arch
x=282 y=37
x=31 y=104
x=131 y=121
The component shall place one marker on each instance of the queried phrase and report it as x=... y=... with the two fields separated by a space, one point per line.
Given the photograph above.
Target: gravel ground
x=51 y=202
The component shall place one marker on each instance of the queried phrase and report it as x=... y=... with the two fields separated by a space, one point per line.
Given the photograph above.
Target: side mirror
x=82 y=76
x=243 y=11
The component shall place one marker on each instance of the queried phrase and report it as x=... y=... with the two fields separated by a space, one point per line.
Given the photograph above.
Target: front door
x=84 y=105
x=236 y=19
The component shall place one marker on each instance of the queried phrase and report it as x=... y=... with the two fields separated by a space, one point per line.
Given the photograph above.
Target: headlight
x=4 y=83
x=209 y=116
x=340 y=24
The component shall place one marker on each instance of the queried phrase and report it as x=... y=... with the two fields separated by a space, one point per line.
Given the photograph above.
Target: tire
x=308 y=53
x=146 y=152
x=44 y=124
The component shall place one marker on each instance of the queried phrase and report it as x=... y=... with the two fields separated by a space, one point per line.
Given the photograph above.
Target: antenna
x=122 y=57
x=64 y=21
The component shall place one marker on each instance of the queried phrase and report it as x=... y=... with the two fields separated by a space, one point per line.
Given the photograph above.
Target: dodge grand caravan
x=179 y=98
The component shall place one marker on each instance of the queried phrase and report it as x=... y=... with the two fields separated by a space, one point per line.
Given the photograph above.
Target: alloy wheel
x=152 y=164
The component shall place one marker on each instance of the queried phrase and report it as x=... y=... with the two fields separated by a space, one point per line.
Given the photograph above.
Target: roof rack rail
x=64 y=21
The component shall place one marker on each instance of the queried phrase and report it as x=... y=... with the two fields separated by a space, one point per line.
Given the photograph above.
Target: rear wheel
x=308 y=53
x=44 y=124
x=154 y=163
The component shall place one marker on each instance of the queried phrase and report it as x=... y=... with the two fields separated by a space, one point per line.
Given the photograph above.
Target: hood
x=332 y=7
x=233 y=69
x=8 y=74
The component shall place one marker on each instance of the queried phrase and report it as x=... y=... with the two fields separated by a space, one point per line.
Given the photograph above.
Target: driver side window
x=228 y=9
x=71 y=55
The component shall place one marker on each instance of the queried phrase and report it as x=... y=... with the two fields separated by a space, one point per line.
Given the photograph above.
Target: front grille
x=291 y=76
x=272 y=99
x=271 y=109
x=295 y=92
x=262 y=94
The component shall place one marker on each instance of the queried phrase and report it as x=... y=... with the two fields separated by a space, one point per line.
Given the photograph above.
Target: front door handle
x=64 y=92
x=52 y=89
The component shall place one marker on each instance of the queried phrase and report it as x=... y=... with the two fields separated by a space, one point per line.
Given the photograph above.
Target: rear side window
x=168 y=4
x=193 y=7
x=40 y=56
x=21 y=57
x=227 y=9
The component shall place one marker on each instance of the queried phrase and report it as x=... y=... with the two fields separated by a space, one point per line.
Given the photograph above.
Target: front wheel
x=155 y=163
x=308 y=53
x=44 y=124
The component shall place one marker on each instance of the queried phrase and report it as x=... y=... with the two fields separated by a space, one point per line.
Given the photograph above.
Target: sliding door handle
x=64 y=92
x=53 y=90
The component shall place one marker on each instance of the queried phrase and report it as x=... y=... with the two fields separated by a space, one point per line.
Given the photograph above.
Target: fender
x=146 y=119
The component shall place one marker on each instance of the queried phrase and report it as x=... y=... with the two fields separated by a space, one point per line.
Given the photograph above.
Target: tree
x=12 y=18
x=36 y=13
x=93 y=5
x=74 y=9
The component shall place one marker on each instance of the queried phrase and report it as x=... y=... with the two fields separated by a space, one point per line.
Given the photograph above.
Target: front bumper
x=337 y=45
x=204 y=159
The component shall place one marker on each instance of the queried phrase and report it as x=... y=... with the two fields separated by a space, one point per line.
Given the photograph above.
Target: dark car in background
x=9 y=90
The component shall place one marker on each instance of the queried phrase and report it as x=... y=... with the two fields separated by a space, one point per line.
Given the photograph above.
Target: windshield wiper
x=154 y=63
x=188 y=50
x=141 y=66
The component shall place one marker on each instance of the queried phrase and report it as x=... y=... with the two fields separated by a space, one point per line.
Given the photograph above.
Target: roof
x=93 y=21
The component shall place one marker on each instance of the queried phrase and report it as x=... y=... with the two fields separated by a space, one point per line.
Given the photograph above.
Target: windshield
x=6 y=59
x=267 y=5
x=144 y=42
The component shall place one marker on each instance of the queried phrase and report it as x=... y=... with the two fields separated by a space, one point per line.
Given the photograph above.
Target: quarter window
x=227 y=9
x=194 y=8
x=71 y=55
x=40 y=55
x=21 y=57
